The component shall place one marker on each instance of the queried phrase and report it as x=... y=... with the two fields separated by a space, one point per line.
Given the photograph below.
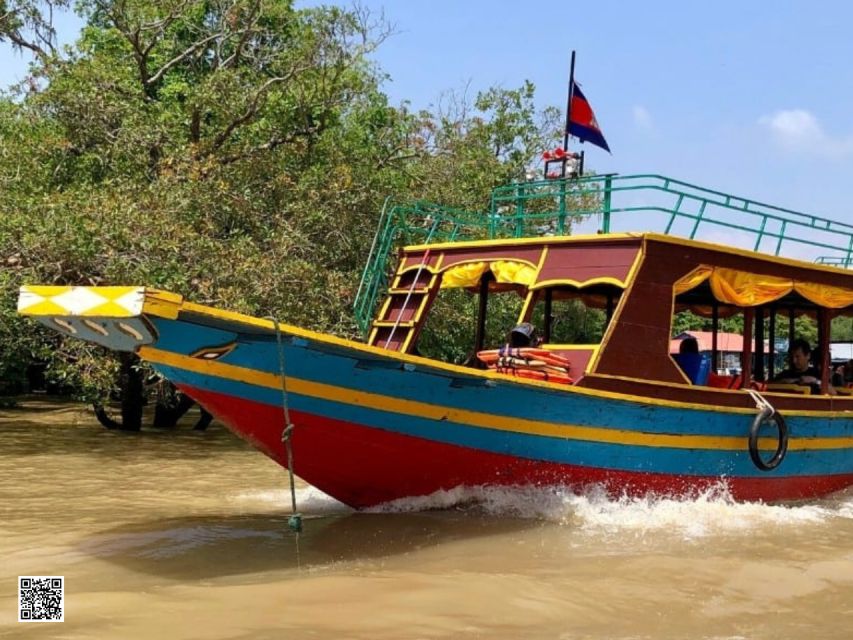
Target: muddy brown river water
x=184 y=535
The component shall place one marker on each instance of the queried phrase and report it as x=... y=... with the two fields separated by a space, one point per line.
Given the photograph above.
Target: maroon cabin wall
x=639 y=343
x=695 y=256
x=585 y=262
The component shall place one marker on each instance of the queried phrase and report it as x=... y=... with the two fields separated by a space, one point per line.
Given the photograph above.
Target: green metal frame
x=835 y=261
x=636 y=202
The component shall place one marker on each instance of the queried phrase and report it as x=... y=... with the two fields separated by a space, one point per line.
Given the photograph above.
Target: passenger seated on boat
x=800 y=371
x=689 y=345
x=523 y=335
x=843 y=375
x=695 y=365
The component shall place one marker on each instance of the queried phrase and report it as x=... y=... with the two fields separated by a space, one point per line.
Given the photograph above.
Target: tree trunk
x=132 y=397
x=166 y=417
x=204 y=420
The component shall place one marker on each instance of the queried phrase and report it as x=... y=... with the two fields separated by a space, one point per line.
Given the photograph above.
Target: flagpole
x=569 y=107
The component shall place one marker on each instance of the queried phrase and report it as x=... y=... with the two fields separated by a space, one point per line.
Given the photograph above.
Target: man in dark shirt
x=800 y=370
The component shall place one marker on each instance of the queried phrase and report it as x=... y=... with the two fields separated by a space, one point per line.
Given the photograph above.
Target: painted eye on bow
x=214 y=353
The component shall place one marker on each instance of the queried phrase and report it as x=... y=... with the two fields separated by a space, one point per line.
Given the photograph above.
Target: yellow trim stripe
x=580 y=284
x=515 y=242
x=472 y=418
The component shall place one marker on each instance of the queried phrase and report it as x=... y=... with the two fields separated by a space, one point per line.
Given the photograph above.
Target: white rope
x=760 y=401
x=295 y=521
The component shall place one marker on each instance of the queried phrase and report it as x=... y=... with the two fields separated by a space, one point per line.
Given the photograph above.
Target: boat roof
x=564 y=247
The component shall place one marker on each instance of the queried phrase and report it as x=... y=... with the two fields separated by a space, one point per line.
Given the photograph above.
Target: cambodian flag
x=582 y=122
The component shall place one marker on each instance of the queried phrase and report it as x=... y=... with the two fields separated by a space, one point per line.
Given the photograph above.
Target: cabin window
x=450 y=332
x=575 y=318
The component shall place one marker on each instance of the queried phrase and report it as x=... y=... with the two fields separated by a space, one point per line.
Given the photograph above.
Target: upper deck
x=605 y=205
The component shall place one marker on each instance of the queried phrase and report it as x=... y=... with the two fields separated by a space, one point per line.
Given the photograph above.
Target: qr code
x=41 y=598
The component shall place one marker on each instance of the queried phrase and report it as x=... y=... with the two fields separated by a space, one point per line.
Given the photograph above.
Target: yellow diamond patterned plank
x=122 y=302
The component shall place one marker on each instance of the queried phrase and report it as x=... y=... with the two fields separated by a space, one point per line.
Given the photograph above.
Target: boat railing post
x=698 y=219
x=781 y=236
x=368 y=276
x=607 y=204
x=493 y=216
x=561 y=211
x=519 y=211
x=760 y=233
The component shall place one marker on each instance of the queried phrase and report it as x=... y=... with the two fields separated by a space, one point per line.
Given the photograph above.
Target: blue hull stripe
x=621 y=457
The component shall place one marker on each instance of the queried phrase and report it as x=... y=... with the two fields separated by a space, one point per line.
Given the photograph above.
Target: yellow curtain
x=463 y=275
x=744 y=289
x=506 y=272
x=692 y=279
x=748 y=289
x=824 y=294
x=511 y=272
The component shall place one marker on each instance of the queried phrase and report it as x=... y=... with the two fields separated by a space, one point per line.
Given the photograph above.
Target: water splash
x=712 y=512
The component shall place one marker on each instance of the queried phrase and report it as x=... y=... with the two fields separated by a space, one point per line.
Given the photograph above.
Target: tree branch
x=187 y=52
x=252 y=109
x=244 y=37
x=15 y=21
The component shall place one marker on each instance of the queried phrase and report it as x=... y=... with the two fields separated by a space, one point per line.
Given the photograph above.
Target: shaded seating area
x=771 y=308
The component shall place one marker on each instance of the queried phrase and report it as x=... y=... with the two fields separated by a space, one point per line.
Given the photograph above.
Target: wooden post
x=480 y=336
x=546 y=333
x=746 y=354
x=791 y=316
x=824 y=320
x=715 y=326
x=771 y=356
x=759 y=344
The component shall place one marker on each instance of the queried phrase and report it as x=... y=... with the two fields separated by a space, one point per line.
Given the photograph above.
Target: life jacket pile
x=528 y=362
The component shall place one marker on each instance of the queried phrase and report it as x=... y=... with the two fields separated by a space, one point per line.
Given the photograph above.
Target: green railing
x=605 y=204
x=835 y=261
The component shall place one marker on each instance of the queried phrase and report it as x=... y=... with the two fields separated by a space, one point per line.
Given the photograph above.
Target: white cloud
x=642 y=118
x=798 y=130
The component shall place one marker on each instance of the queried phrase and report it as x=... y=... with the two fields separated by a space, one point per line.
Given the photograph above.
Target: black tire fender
x=768 y=415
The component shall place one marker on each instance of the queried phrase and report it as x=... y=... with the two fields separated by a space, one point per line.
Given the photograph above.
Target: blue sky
x=749 y=98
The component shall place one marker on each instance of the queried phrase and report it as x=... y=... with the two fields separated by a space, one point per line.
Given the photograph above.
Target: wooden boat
x=376 y=421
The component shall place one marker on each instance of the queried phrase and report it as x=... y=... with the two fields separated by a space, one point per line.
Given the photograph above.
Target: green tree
x=233 y=151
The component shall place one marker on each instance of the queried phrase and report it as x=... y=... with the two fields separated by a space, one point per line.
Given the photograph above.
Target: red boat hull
x=364 y=466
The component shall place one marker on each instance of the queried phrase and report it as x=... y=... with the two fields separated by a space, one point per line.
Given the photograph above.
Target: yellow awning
x=746 y=289
x=505 y=272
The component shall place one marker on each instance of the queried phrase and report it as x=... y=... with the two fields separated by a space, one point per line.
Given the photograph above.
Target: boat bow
x=110 y=316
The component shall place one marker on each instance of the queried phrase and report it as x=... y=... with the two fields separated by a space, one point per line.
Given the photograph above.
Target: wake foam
x=711 y=512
